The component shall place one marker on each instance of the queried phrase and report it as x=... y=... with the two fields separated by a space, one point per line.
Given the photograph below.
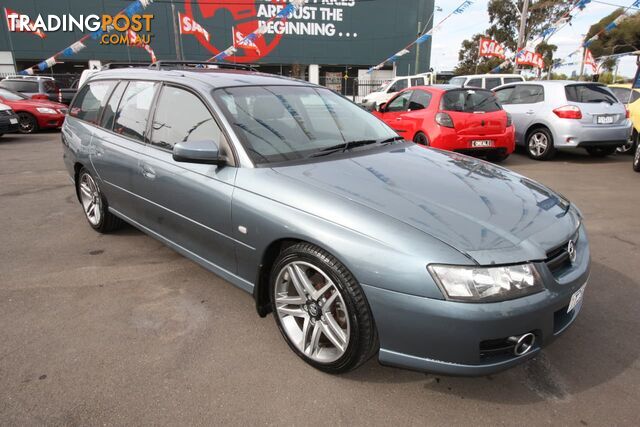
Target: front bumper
x=572 y=134
x=452 y=338
x=9 y=124
x=50 y=121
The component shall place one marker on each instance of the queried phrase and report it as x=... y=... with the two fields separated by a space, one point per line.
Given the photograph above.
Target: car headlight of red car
x=46 y=111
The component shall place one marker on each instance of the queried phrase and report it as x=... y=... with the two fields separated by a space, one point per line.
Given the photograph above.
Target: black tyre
x=540 y=144
x=601 y=151
x=421 y=139
x=636 y=159
x=28 y=123
x=630 y=147
x=321 y=310
x=94 y=204
x=498 y=157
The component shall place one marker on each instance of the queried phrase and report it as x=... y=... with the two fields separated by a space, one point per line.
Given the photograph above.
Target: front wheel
x=94 y=204
x=28 y=123
x=601 y=151
x=421 y=139
x=540 y=144
x=636 y=159
x=321 y=310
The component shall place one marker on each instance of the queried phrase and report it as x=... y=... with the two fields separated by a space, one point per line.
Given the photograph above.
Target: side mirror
x=203 y=152
x=380 y=108
x=40 y=96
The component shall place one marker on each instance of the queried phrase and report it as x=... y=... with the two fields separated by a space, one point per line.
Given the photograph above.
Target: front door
x=394 y=111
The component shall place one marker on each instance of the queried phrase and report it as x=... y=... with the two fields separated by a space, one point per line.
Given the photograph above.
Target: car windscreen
x=589 y=93
x=470 y=101
x=11 y=95
x=20 y=85
x=457 y=81
x=286 y=123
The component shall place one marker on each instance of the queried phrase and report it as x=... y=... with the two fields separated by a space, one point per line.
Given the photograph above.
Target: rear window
x=589 y=93
x=470 y=101
x=417 y=82
x=20 y=85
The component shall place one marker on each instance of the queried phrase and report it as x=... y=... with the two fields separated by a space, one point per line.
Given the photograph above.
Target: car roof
x=215 y=78
x=445 y=88
x=479 y=76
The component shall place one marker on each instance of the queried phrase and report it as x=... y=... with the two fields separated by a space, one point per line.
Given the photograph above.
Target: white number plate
x=482 y=143
x=14 y=121
x=576 y=299
x=605 y=120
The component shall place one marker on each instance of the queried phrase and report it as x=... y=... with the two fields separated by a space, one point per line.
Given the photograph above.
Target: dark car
x=9 y=121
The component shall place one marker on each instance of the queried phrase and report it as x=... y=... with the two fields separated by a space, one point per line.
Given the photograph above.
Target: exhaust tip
x=523 y=343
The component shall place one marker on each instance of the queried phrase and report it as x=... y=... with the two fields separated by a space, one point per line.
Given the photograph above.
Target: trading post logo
x=110 y=29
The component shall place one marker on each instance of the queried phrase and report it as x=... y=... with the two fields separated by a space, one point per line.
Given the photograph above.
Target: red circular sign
x=245 y=14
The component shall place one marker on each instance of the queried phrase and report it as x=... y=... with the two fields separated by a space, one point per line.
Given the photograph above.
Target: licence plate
x=13 y=121
x=576 y=299
x=482 y=143
x=605 y=120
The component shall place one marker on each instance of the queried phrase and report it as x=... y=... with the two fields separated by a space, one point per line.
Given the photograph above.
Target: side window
x=133 y=113
x=623 y=94
x=419 y=100
x=635 y=96
x=91 y=100
x=492 y=82
x=508 y=80
x=193 y=123
x=528 y=94
x=398 y=86
x=50 y=86
x=474 y=83
x=504 y=95
x=400 y=103
x=109 y=114
x=417 y=81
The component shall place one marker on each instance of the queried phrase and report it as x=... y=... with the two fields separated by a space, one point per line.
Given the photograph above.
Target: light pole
x=522 y=34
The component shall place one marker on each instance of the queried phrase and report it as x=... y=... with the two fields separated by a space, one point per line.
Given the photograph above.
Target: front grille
x=496 y=348
x=558 y=258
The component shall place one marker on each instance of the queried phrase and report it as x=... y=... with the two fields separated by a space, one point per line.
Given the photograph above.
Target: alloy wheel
x=91 y=200
x=636 y=159
x=538 y=144
x=312 y=312
x=27 y=123
x=626 y=148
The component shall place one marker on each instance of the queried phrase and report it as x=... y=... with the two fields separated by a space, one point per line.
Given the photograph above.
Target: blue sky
x=447 y=40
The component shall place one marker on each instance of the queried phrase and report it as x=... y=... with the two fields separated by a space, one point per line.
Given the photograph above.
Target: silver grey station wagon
x=361 y=244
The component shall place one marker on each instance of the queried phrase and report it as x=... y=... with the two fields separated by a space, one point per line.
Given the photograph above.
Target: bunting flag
x=136 y=41
x=134 y=8
x=588 y=60
x=489 y=47
x=243 y=42
x=423 y=38
x=188 y=25
x=246 y=42
x=15 y=23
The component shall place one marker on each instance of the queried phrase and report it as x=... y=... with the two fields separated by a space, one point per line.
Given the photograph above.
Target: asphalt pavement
x=120 y=330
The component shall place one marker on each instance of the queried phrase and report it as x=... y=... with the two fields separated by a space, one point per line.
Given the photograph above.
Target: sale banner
x=588 y=60
x=527 y=57
x=489 y=47
x=188 y=25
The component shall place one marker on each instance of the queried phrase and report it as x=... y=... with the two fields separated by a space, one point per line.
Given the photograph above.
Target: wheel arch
x=538 y=125
x=77 y=167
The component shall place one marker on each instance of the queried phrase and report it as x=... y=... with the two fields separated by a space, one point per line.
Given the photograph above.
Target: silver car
x=565 y=115
x=358 y=242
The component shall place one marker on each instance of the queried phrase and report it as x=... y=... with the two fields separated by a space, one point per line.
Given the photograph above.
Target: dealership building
x=327 y=40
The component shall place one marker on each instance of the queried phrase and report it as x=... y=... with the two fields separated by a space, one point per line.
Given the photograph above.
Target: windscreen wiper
x=342 y=148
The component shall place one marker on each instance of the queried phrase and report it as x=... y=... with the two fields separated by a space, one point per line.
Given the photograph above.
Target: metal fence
x=353 y=88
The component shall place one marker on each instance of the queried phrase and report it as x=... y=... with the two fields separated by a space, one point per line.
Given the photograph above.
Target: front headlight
x=46 y=110
x=486 y=284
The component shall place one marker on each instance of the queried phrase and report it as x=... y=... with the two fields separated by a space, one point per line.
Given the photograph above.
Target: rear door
x=600 y=108
x=476 y=113
x=188 y=203
x=523 y=102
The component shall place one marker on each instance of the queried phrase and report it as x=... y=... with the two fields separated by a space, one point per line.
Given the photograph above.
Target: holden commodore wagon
x=360 y=243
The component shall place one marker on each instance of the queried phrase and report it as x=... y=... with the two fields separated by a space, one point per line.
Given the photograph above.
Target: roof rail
x=201 y=64
x=114 y=65
x=29 y=77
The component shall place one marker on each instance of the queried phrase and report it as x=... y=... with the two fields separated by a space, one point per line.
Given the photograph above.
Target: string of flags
x=626 y=13
x=423 y=38
x=527 y=55
x=133 y=9
x=248 y=41
x=30 y=27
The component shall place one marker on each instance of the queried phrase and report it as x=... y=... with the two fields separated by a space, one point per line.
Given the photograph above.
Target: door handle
x=148 y=172
x=398 y=119
x=531 y=112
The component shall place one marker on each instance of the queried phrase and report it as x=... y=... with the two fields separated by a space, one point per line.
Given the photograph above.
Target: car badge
x=571 y=250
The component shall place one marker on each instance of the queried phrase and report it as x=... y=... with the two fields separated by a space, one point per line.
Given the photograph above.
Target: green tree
x=504 y=25
x=622 y=39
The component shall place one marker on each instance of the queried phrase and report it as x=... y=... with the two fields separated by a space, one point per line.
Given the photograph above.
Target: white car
x=390 y=88
x=486 y=81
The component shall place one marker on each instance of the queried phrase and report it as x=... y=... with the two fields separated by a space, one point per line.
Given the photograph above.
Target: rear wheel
x=630 y=147
x=95 y=205
x=601 y=151
x=321 y=310
x=636 y=160
x=421 y=139
x=540 y=144
x=28 y=123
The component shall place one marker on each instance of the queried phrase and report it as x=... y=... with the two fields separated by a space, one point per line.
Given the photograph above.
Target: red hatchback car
x=33 y=113
x=469 y=121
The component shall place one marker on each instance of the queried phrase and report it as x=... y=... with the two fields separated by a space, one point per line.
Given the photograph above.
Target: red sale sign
x=490 y=47
x=526 y=57
x=189 y=26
